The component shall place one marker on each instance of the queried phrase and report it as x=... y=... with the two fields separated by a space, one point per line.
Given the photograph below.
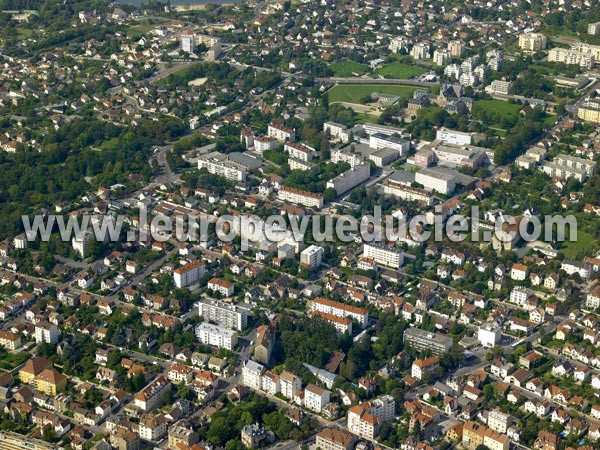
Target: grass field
x=354 y=93
x=399 y=70
x=573 y=250
x=348 y=68
x=498 y=106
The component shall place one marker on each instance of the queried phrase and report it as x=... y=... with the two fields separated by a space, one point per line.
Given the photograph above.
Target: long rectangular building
x=350 y=179
x=384 y=255
x=426 y=340
x=306 y=198
x=338 y=309
x=218 y=164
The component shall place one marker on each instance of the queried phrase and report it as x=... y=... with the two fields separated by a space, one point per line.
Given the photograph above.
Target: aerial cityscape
x=299 y=224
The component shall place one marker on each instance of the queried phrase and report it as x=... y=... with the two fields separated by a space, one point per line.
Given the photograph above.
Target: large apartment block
x=384 y=255
x=216 y=336
x=281 y=133
x=306 y=198
x=188 y=274
x=532 y=42
x=364 y=419
x=218 y=164
x=338 y=309
x=153 y=395
x=223 y=314
x=426 y=340
x=350 y=179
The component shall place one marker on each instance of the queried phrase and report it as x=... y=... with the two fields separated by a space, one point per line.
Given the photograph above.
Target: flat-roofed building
x=383 y=254
x=439 y=344
x=223 y=314
x=532 y=42
x=216 y=336
x=350 y=179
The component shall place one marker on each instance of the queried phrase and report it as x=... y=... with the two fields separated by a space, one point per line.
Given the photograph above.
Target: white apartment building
x=188 y=43
x=398 y=43
x=498 y=421
x=453 y=137
x=420 y=51
x=456 y=48
x=441 y=57
x=532 y=42
x=384 y=255
x=337 y=131
x=152 y=427
x=218 y=164
x=572 y=267
x=338 y=156
x=281 y=133
x=216 y=336
x=264 y=143
x=315 y=398
x=519 y=295
x=489 y=334
x=341 y=324
x=392 y=187
x=592 y=300
x=252 y=374
x=46 y=332
x=498 y=87
x=584 y=55
x=306 y=198
x=289 y=383
x=188 y=274
x=223 y=287
x=223 y=314
x=594 y=28
x=299 y=151
x=338 y=309
x=381 y=140
x=271 y=382
x=350 y=179
x=311 y=256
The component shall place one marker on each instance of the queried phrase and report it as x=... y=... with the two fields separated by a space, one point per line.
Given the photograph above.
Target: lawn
x=354 y=93
x=580 y=247
x=498 y=106
x=399 y=70
x=347 y=68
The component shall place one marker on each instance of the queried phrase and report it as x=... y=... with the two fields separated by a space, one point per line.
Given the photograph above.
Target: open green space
x=498 y=106
x=348 y=68
x=399 y=70
x=354 y=93
x=578 y=248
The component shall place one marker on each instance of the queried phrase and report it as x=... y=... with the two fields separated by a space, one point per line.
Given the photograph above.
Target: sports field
x=400 y=71
x=354 y=93
x=348 y=68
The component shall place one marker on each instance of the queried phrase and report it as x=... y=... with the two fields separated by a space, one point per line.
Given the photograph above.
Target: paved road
x=364 y=80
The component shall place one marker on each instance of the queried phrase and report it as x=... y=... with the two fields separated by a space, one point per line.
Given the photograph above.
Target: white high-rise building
x=188 y=43
x=311 y=256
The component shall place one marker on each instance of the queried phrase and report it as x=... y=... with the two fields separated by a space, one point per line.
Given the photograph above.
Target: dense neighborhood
x=135 y=113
